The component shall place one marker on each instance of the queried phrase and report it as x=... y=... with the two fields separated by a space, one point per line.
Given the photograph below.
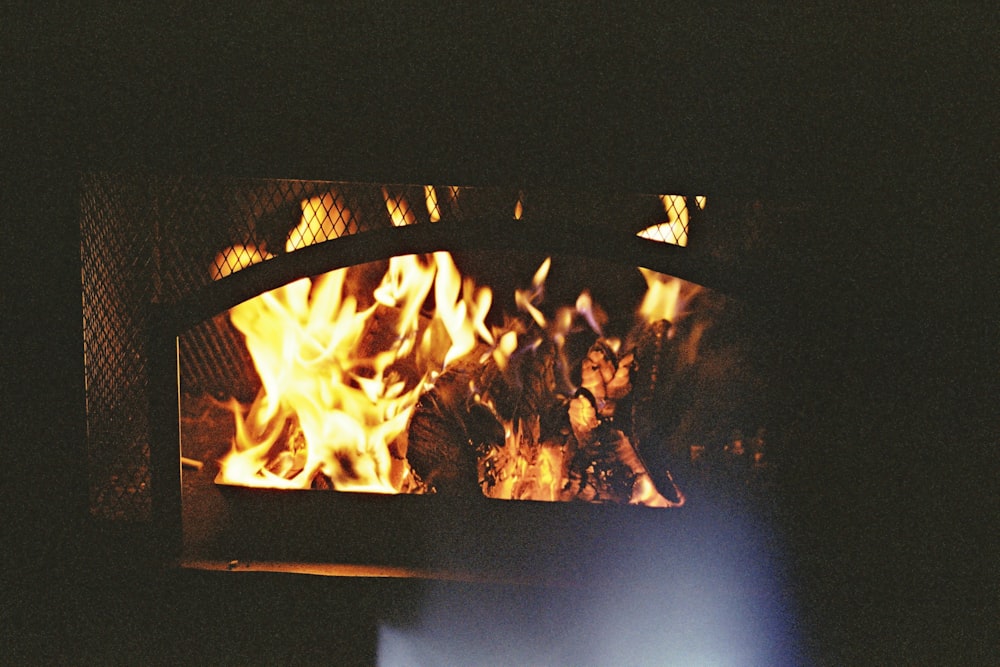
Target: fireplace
x=483 y=477
x=884 y=311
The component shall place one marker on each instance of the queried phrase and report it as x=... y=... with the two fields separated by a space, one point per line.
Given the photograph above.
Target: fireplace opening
x=344 y=378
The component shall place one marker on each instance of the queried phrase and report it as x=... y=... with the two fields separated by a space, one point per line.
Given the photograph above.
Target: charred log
x=656 y=402
x=458 y=435
x=448 y=432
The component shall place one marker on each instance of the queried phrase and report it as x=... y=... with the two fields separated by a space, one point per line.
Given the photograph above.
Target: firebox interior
x=554 y=388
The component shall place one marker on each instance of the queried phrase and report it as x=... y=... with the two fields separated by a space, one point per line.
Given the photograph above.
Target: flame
x=399 y=210
x=524 y=468
x=236 y=258
x=675 y=229
x=335 y=394
x=433 y=211
x=318 y=224
x=585 y=307
x=526 y=300
x=341 y=374
x=507 y=346
x=665 y=297
x=519 y=206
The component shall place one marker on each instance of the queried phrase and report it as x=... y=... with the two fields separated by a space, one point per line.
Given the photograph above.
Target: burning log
x=509 y=433
x=447 y=433
x=606 y=465
x=353 y=394
x=654 y=413
x=487 y=429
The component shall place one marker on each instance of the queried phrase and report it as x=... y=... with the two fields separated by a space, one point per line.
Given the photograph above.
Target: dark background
x=884 y=120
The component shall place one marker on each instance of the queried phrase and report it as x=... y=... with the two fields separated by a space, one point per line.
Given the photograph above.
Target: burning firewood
x=447 y=433
x=468 y=432
x=605 y=465
x=508 y=433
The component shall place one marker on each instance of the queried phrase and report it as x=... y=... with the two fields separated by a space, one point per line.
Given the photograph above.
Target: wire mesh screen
x=150 y=240
x=117 y=279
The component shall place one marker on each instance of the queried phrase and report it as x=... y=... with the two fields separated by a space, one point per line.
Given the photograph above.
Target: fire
x=675 y=229
x=339 y=381
x=526 y=300
x=318 y=224
x=235 y=258
x=666 y=297
x=399 y=209
x=433 y=211
x=342 y=374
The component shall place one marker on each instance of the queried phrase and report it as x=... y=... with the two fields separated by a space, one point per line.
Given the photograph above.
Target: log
x=448 y=431
x=461 y=419
x=656 y=402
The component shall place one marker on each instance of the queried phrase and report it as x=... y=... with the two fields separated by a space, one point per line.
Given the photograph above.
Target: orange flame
x=399 y=210
x=666 y=296
x=235 y=258
x=526 y=300
x=318 y=222
x=340 y=380
x=675 y=229
x=333 y=391
x=433 y=211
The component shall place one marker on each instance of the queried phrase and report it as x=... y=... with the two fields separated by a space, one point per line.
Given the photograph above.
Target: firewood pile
x=514 y=432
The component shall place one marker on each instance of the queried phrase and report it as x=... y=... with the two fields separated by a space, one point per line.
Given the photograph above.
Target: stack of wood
x=461 y=433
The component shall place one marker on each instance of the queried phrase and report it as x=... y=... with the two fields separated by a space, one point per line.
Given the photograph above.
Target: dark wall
x=883 y=121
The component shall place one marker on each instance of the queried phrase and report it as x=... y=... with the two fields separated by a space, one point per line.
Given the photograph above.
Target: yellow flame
x=666 y=232
x=334 y=399
x=433 y=211
x=506 y=347
x=235 y=258
x=320 y=216
x=526 y=300
x=662 y=296
x=585 y=307
x=538 y=280
x=340 y=380
x=675 y=229
x=676 y=208
x=519 y=206
x=399 y=209
x=524 y=468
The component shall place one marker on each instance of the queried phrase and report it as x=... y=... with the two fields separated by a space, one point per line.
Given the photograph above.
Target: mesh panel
x=158 y=239
x=678 y=212
x=117 y=280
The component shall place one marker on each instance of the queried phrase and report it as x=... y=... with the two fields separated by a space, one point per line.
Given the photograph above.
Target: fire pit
x=411 y=380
